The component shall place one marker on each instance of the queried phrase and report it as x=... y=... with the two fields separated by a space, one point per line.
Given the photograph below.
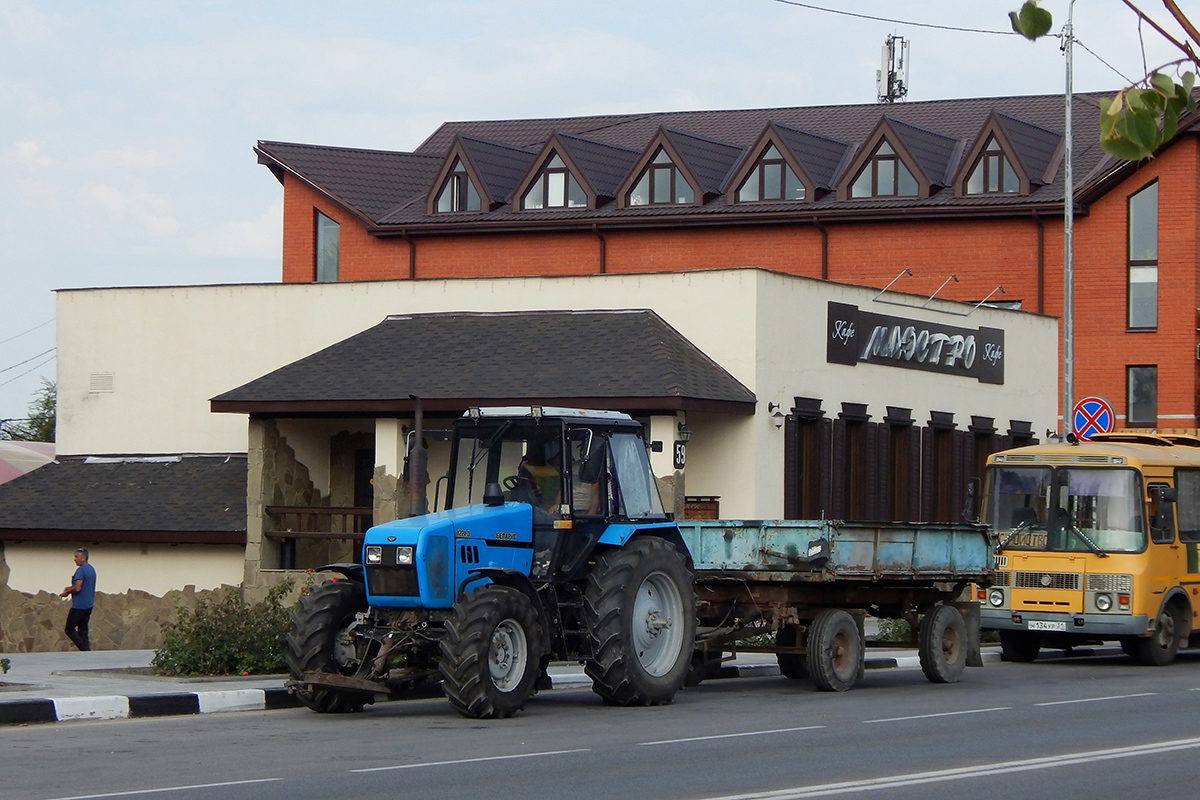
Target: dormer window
x=884 y=176
x=770 y=179
x=458 y=192
x=662 y=184
x=555 y=187
x=993 y=173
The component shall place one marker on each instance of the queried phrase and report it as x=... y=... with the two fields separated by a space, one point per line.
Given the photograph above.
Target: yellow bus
x=1095 y=541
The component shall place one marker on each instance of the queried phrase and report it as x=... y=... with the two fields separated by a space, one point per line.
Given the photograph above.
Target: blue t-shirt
x=86 y=596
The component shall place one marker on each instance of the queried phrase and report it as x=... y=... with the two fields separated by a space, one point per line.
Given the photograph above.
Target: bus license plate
x=1043 y=625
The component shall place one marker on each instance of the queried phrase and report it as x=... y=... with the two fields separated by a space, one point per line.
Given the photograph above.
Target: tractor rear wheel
x=640 y=613
x=320 y=640
x=491 y=653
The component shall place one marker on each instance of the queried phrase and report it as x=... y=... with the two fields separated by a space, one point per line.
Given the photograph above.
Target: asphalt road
x=1080 y=728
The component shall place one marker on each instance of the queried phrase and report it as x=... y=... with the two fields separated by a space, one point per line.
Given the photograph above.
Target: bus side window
x=1187 y=488
x=1162 y=514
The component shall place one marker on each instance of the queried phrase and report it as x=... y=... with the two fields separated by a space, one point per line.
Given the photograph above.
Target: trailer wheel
x=491 y=653
x=942 y=644
x=320 y=640
x=640 y=613
x=1019 y=646
x=835 y=650
x=791 y=665
x=1159 y=648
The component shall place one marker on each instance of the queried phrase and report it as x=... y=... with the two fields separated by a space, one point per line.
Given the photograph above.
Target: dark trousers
x=77 y=627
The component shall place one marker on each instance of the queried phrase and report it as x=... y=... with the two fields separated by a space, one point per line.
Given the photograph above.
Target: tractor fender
x=354 y=572
x=620 y=535
x=501 y=576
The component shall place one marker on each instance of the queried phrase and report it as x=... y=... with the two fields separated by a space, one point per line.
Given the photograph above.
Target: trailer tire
x=791 y=665
x=942 y=644
x=639 y=609
x=491 y=653
x=1019 y=646
x=835 y=650
x=1159 y=648
x=312 y=644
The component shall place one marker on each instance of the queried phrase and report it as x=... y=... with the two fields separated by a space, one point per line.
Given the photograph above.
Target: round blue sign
x=1092 y=415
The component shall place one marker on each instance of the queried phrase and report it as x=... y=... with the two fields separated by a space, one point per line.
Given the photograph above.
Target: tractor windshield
x=524 y=458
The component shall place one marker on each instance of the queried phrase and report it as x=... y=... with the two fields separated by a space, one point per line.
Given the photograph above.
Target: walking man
x=83 y=596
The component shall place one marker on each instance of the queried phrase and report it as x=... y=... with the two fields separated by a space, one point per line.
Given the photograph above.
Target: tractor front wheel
x=321 y=640
x=492 y=652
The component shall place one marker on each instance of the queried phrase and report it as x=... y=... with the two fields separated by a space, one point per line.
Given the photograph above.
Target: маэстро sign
x=857 y=336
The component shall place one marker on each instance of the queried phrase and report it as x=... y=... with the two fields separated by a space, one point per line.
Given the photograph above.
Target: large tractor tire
x=942 y=644
x=640 y=613
x=835 y=650
x=491 y=653
x=1159 y=648
x=319 y=640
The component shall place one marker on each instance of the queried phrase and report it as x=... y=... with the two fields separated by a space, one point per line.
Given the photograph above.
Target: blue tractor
x=552 y=544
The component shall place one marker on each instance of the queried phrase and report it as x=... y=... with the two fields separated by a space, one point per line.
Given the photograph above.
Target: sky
x=127 y=127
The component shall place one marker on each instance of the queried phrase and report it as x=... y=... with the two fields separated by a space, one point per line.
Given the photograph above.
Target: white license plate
x=1042 y=625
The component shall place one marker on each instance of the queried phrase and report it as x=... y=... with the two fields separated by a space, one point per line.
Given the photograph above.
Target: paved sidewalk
x=115 y=684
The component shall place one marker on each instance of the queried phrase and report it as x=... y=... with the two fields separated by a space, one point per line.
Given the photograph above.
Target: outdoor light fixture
x=685 y=433
x=776 y=414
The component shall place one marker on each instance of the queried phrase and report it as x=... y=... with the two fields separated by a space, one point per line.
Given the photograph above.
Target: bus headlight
x=996 y=597
x=1103 y=602
x=404 y=556
x=374 y=554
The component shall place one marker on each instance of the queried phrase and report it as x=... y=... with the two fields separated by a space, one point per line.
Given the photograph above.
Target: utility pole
x=1068 y=320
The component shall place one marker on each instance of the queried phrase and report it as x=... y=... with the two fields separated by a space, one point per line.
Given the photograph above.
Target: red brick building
x=962 y=199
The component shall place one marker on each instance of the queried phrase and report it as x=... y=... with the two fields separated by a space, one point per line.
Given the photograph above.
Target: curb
x=21 y=712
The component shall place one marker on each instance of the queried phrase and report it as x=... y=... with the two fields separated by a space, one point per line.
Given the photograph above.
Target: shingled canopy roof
x=167 y=499
x=626 y=360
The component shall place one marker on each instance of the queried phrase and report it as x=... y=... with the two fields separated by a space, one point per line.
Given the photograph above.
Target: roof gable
x=708 y=160
x=623 y=360
x=368 y=183
x=926 y=155
x=1036 y=148
x=601 y=166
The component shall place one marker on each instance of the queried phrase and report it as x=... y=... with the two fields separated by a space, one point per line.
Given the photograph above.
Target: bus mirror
x=971 y=510
x=1164 y=494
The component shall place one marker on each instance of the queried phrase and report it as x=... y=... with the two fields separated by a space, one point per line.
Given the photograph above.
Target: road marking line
x=979 y=771
x=942 y=714
x=1097 y=699
x=471 y=760
x=731 y=735
x=169 y=789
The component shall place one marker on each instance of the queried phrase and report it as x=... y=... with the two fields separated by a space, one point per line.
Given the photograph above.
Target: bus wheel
x=1019 y=646
x=1159 y=648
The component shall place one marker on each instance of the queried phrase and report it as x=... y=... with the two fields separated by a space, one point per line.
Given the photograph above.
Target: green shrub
x=896 y=630
x=224 y=636
x=4 y=665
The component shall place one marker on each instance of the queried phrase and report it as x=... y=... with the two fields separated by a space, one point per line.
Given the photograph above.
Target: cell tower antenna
x=892 y=79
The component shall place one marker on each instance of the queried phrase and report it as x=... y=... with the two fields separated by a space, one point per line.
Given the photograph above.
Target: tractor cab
x=579 y=472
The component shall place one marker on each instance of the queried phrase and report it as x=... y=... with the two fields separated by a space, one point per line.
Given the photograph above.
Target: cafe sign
x=863 y=337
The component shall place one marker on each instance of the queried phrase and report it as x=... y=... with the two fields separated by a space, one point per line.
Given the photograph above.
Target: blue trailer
x=553 y=544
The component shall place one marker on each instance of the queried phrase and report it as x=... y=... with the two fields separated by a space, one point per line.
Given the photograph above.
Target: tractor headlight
x=374 y=554
x=1103 y=602
x=404 y=556
x=996 y=597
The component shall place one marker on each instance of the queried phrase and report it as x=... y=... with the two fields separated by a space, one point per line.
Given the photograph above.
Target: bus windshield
x=1076 y=509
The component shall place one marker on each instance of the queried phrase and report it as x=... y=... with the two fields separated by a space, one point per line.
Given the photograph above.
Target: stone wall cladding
x=33 y=623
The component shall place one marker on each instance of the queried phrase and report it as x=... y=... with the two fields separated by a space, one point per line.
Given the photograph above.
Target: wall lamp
x=685 y=433
x=776 y=414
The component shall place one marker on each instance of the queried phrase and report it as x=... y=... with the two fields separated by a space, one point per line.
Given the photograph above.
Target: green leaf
x=1031 y=21
x=1133 y=99
x=1162 y=83
x=1189 y=80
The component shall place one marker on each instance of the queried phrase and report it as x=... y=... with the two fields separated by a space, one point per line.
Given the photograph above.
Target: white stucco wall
x=155 y=568
x=171 y=349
